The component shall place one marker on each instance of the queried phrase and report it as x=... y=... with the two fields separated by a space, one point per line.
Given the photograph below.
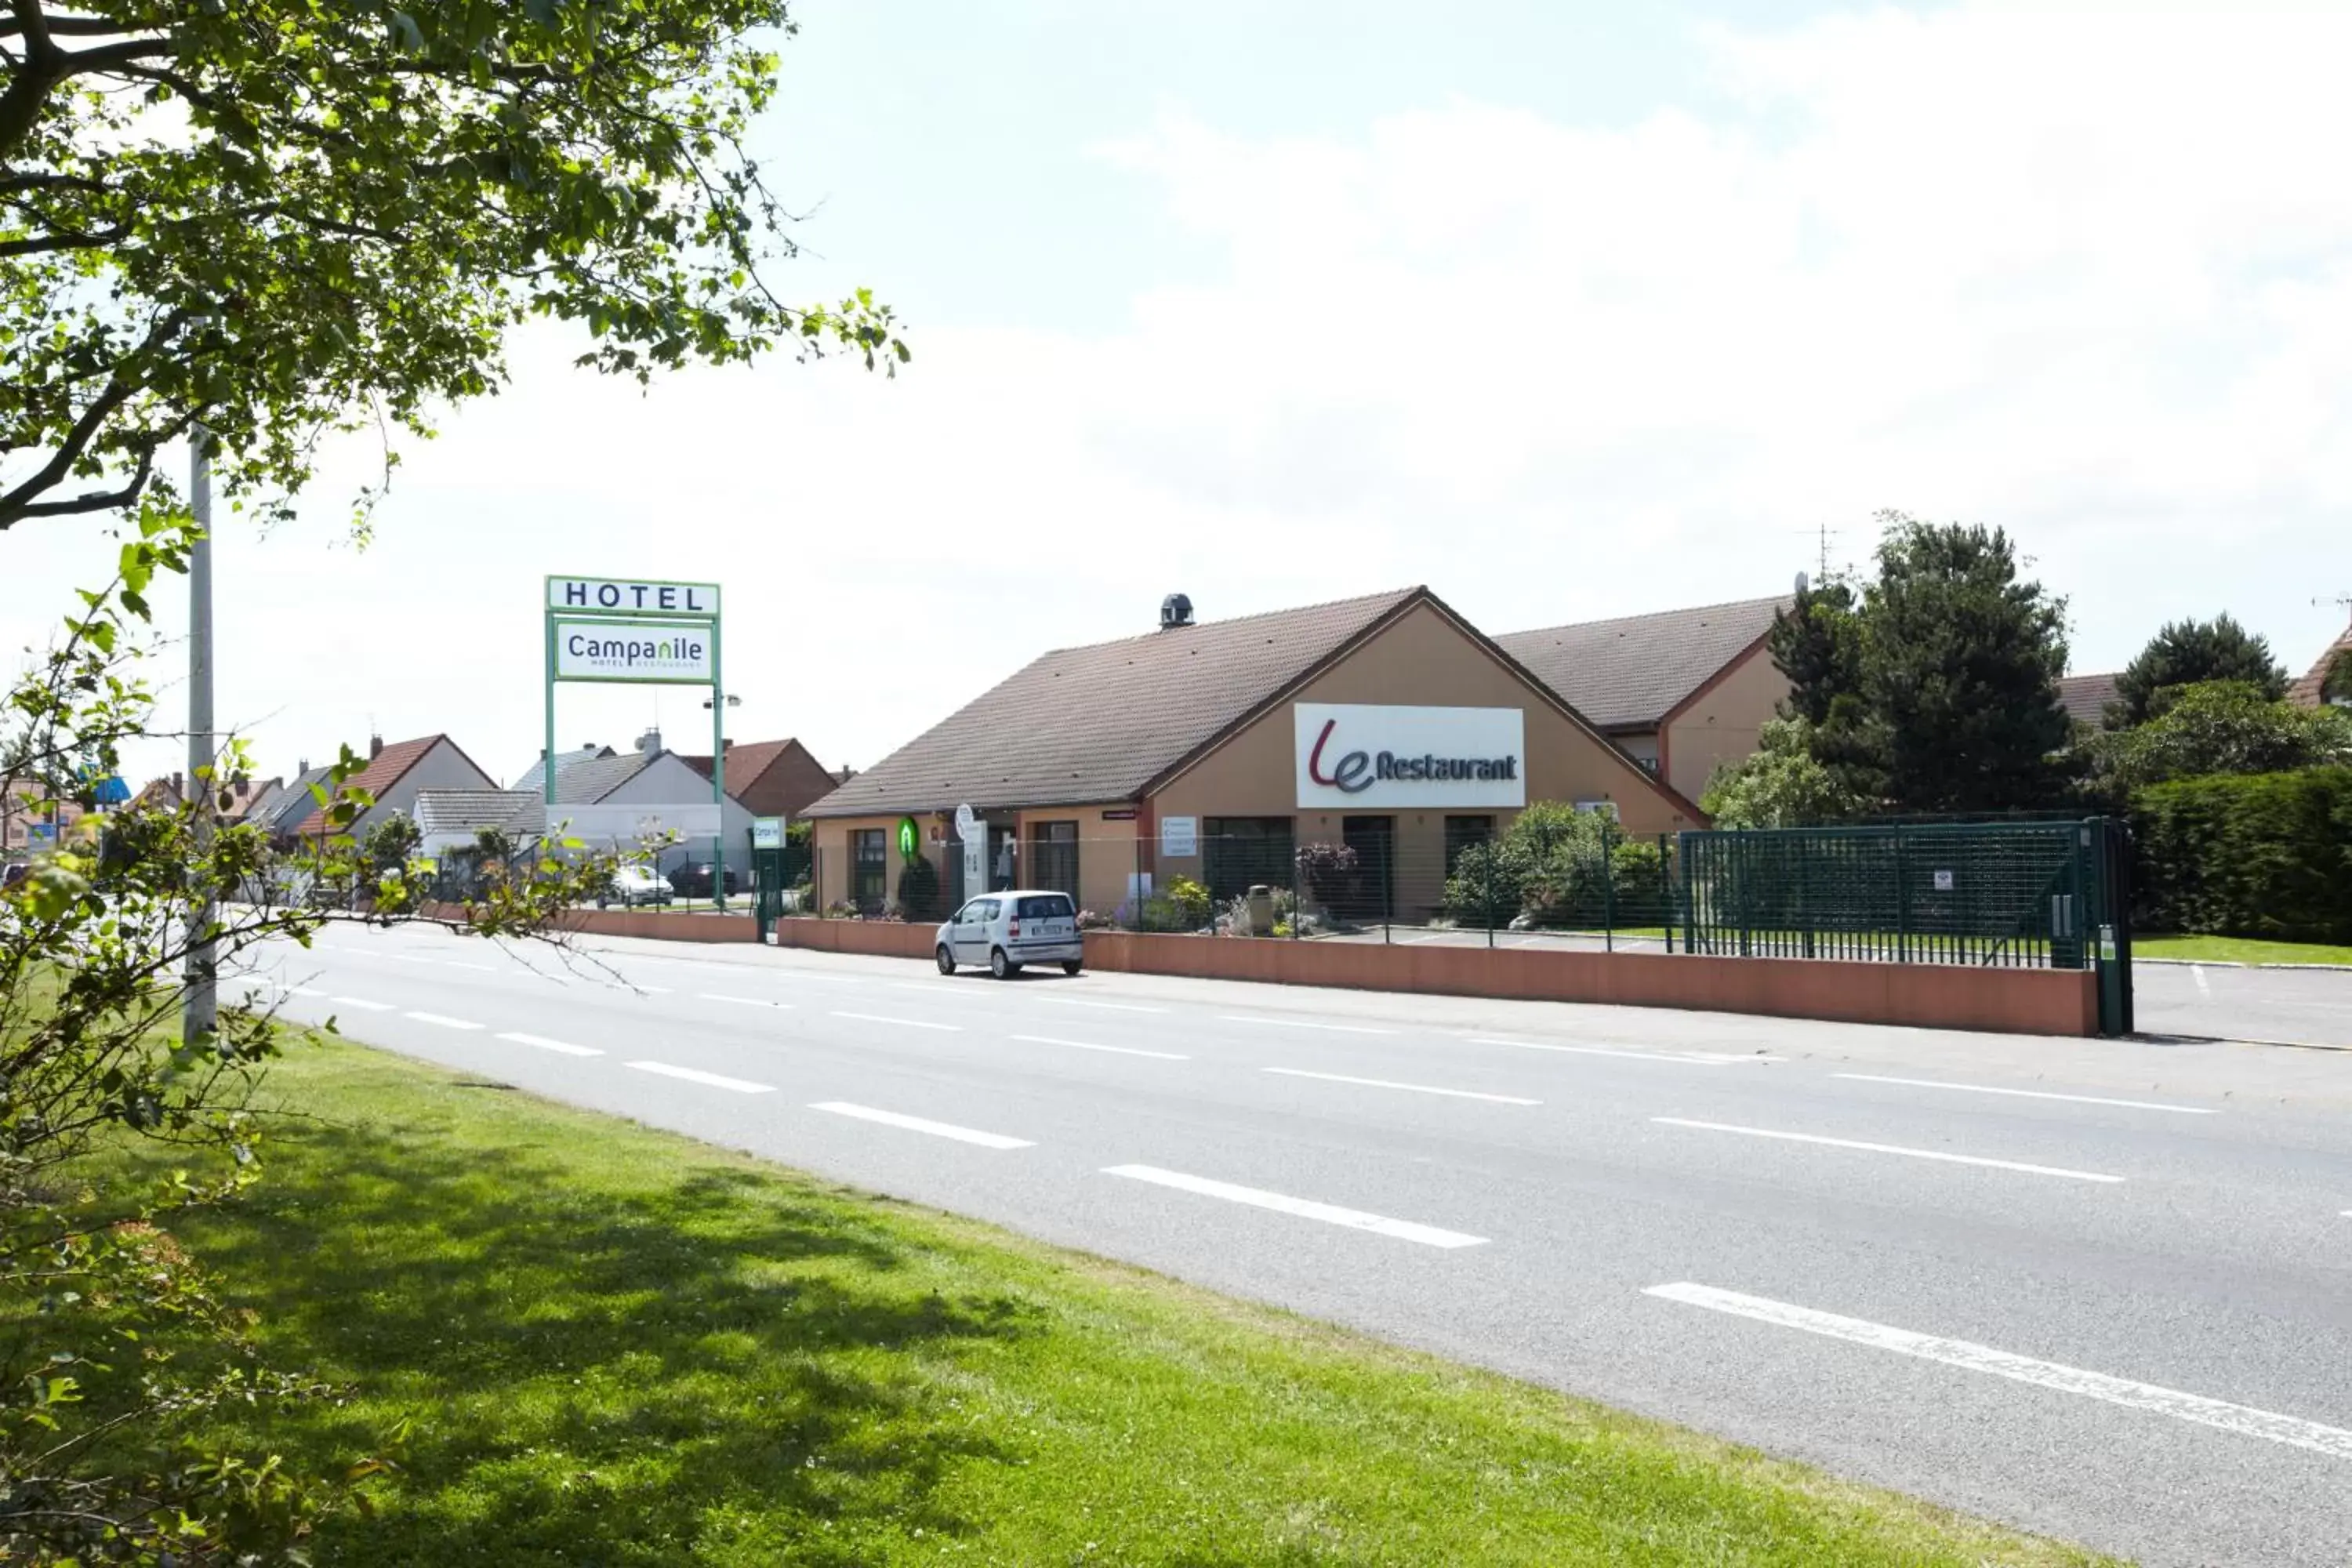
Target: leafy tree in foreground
x=1780 y=784
x=2194 y=653
x=282 y=217
x=119 y=1348
x=1960 y=667
x=2223 y=727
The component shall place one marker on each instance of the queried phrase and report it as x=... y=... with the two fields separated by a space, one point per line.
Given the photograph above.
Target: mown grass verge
x=619 y=1347
x=2238 y=950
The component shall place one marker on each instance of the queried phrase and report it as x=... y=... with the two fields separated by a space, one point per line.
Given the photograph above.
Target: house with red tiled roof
x=396 y=774
x=2310 y=691
x=772 y=778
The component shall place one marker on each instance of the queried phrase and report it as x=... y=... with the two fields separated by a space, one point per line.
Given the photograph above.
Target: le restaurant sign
x=631 y=597
x=1361 y=756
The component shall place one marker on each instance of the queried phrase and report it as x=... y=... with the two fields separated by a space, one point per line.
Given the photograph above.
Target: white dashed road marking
x=1886 y=1149
x=442 y=1020
x=361 y=1003
x=1683 y=1058
x=1302 y=1024
x=1415 y=1087
x=2204 y=986
x=921 y=1125
x=2030 y=1094
x=2333 y=1441
x=901 y=1022
x=1329 y=1213
x=1116 y=1050
x=716 y=1081
x=1105 y=1006
x=544 y=1044
x=742 y=1001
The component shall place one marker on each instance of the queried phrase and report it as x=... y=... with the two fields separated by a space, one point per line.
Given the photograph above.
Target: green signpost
x=643 y=631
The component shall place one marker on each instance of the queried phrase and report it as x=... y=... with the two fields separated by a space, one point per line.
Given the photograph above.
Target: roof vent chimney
x=375 y=747
x=650 y=743
x=1175 y=610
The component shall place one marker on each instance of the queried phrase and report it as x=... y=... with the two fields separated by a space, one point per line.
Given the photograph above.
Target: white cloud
x=2088 y=275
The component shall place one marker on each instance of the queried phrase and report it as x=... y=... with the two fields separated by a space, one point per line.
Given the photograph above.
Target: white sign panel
x=1359 y=757
x=1942 y=882
x=634 y=650
x=1180 y=836
x=629 y=595
x=767 y=833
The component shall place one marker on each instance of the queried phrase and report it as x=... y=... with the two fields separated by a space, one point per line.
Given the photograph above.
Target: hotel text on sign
x=631 y=597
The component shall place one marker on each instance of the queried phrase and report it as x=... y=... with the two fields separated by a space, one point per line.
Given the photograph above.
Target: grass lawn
x=2235 y=950
x=622 y=1348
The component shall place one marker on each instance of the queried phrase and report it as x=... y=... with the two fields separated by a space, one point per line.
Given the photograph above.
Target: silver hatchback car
x=1007 y=930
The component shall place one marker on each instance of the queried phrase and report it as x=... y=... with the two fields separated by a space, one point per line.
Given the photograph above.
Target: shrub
x=1324 y=871
x=919 y=890
x=1191 y=901
x=2262 y=856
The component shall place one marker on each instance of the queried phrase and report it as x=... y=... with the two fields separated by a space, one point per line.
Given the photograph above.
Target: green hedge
x=2258 y=855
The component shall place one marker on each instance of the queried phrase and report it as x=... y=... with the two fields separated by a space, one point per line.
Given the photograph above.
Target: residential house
x=396 y=774
x=29 y=820
x=616 y=802
x=534 y=777
x=773 y=778
x=2086 y=698
x=294 y=805
x=2307 y=692
x=1682 y=692
x=451 y=819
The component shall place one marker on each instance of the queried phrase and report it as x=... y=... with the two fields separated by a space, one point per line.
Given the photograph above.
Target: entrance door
x=1370 y=890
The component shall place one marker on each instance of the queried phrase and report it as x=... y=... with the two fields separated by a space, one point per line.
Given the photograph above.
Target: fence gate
x=2028 y=895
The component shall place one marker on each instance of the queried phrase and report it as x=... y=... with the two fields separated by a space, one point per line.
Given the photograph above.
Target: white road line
x=361 y=1003
x=1303 y=1208
x=2030 y=1093
x=544 y=1044
x=441 y=1019
x=1105 y=1006
x=2197 y=973
x=947 y=988
x=2244 y=1420
x=459 y=964
x=626 y=985
x=1415 y=1087
x=742 y=1001
x=901 y=1023
x=1687 y=1059
x=304 y=991
x=394 y=957
x=1116 y=1050
x=716 y=1081
x=1302 y=1024
x=920 y=1124
x=1888 y=1149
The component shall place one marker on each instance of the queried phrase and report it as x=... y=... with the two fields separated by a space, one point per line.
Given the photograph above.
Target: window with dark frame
x=1238 y=852
x=869 y=866
x=1461 y=833
x=1053 y=858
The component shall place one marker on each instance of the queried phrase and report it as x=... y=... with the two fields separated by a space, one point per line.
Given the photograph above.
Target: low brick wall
x=664 y=926
x=1924 y=995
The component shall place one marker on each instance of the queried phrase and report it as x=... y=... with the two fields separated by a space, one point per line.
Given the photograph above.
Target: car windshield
x=1045 y=906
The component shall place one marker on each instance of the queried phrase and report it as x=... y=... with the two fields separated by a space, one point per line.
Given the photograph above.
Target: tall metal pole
x=199 y=1016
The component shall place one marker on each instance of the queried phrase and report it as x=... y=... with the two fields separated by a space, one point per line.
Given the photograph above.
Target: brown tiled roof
x=1630 y=673
x=1099 y=723
x=2085 y=698
x=2305 y=692
x=746 y=761
x=384 y=771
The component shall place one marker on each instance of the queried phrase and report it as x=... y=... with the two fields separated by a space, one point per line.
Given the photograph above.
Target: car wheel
x=1071 y=966
x=947 y=959
x=1001 y=966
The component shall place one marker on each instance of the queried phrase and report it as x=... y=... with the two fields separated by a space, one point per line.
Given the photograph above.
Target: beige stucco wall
x=1421 y=660
x=1106 y=850
x=1723 y=725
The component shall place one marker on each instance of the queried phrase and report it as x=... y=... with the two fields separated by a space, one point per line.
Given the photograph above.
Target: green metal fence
x=2038 y=895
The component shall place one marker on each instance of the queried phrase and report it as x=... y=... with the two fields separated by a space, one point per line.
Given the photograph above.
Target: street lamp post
x=200 y=1013
x=719 y=790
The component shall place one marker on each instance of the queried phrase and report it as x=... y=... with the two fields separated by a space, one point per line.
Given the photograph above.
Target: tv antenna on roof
x=2341 y=601
x=1823 y=534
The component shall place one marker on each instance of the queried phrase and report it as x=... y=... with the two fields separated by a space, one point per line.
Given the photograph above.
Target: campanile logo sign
x=1361 y=756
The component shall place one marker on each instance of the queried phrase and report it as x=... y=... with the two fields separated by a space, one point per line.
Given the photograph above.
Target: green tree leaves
x=2223 y=727
x=2193 y=653
x=284 y=217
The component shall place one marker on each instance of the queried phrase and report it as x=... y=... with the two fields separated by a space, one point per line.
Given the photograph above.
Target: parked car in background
x=635 y=885
x=1005 y=931
x=692 y=879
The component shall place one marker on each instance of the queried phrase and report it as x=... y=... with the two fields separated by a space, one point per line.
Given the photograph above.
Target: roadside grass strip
x=619 y=1346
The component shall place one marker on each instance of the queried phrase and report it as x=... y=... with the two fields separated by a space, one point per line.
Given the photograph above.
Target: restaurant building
x=1212 y=751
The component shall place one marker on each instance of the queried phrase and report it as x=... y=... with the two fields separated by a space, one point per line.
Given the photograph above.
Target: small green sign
x=910 y=839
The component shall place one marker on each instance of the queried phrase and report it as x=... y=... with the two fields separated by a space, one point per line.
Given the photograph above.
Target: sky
x=1566 y=310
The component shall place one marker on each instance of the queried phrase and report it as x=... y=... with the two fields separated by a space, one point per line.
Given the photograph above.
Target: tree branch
x=22 y=502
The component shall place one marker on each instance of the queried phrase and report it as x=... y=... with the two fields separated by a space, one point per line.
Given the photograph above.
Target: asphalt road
x=2101 y=1289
